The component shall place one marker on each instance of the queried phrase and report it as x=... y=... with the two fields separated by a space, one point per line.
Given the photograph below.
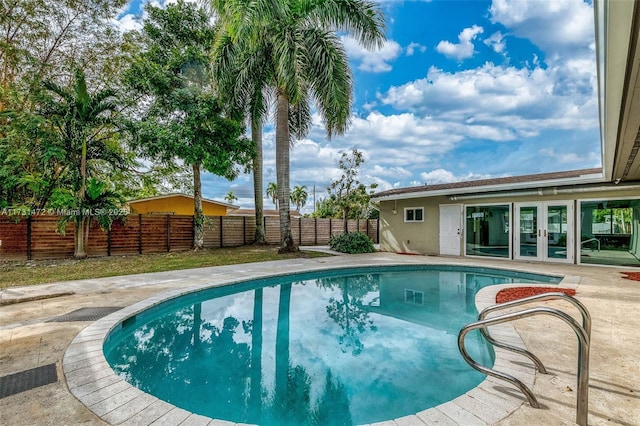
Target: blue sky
x=462 y=90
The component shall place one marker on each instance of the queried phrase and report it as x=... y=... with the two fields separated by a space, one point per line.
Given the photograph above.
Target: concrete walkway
x=27 y=341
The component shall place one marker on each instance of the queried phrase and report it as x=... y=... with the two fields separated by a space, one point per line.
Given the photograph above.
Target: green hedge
x=353 y=242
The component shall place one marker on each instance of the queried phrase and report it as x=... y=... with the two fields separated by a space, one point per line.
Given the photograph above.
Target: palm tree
x=272 y=192
x=249 y=95
x=299 y=196
x=83 y=123
x=296 y=43
x=230 y=197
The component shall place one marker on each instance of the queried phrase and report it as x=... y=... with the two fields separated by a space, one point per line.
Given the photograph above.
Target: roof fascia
x=500 y=189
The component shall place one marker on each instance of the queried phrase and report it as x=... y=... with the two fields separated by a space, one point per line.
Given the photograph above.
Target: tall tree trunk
x=255 y=393
x=197 y=323
x=80 y=236
x=282 y=347
x=81 y=232
x=198 y=217
x=282 y=172
x=256 y=136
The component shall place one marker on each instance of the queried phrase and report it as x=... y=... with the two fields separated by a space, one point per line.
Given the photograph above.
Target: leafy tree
x=325 y=208
x=272 y=192
x=299 y=196
x=347 y=193
x=230 y=197
x=333 y=403
x=183 y=118
x=45 y=39
x=293 y=44
x=82 y=126
x=349 y=311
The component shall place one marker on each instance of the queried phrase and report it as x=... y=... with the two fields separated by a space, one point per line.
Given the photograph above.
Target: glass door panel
x=557 y=231
x=527 y=246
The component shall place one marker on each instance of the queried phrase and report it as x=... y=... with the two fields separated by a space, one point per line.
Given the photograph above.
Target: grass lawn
x=47 y=271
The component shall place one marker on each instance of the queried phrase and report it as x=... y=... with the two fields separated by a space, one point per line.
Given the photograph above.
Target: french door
x=544 y=231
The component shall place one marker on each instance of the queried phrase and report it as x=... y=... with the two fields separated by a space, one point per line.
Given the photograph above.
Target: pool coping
x=93 y=382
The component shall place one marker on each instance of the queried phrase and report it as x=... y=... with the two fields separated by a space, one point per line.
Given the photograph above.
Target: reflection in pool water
x=341 y=347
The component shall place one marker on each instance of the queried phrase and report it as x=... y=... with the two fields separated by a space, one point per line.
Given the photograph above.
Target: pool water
x=336 y=347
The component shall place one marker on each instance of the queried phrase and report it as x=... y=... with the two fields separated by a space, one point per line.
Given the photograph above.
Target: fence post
x=367 y=228
x=221 y=245
x=299 y=231
x=109 y=241
x=244 y=230
x=168 y=233
x=378 y=231
x=330 y=229
x=140 y=234
x=29 y=253
x=315 y=231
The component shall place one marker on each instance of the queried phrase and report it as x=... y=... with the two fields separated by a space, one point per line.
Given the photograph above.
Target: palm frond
x=330 y=78
x=361 y=18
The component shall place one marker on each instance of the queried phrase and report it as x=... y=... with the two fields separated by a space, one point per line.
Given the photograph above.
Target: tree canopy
x=182 y=118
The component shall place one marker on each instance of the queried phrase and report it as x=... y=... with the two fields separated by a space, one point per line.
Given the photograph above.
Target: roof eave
x=498 y=188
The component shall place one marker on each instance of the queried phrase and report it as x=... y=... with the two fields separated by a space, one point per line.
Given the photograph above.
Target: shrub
x=353 y=242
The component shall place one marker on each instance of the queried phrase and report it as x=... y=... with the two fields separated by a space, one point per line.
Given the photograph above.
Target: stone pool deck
x=33 y=334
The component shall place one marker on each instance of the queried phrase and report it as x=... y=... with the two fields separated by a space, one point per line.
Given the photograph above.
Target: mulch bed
x=631 y=275
x=509 y=294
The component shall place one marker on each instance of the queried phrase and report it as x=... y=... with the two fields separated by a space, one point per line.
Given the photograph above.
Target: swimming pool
x=364 y=345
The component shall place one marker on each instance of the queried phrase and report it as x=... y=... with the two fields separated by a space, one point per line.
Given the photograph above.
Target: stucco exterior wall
x=416 y=238
x=178 y=205
x=423 y=238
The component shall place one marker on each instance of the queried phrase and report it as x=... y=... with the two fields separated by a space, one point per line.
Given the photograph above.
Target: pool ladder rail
x=583 y=332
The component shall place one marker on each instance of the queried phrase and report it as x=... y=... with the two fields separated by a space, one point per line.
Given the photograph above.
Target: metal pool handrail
x=583 y=356
x=586 y=321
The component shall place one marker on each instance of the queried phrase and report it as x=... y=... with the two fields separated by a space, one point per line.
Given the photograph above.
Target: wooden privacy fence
x=37 y=237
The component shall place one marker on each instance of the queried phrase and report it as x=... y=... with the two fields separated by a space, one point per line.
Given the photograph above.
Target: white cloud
x=376 y=61
x=557 y=27
x=496 y=42
x=437 y=176
x=391 y=172
x=393 y=146
x=503 y=102
x=128 y=22
x=570 y=157
x=411 y=48
x=464 y=49
x=369 y=105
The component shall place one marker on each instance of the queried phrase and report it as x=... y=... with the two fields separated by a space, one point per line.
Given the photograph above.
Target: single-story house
x=178 y=204
x=580 y=216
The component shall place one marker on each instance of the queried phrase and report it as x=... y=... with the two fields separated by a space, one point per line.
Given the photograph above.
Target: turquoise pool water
x=336 y=347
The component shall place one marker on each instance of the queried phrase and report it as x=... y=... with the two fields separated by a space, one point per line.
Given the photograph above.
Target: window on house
x=414 y=214
x=414 y=297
